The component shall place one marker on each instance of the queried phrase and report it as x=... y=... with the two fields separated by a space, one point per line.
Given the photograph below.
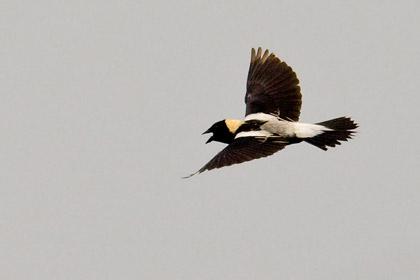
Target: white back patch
x=257 y=133
x=307 y=130
x=261 y=117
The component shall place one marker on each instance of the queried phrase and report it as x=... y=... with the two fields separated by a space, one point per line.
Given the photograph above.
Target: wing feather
x=272 y=87
x=243 y=149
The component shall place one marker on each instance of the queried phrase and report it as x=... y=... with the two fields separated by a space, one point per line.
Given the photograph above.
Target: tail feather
x=341 y=130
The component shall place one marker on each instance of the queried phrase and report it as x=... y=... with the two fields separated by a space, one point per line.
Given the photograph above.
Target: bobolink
x=273 y=101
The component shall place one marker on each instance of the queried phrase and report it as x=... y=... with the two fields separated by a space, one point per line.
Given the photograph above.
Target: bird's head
x=223 y=131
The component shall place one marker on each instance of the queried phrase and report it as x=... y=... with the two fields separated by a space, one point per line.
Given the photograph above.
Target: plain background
x=102 y=108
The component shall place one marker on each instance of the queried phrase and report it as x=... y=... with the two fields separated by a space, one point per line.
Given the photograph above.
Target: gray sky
x=102 y=109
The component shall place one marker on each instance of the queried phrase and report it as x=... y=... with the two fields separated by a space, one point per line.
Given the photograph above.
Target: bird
x=273 y=102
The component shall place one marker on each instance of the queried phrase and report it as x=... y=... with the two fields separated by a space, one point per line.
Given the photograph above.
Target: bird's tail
x=340 y=129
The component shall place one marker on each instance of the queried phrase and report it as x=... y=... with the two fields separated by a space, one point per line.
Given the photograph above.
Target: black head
x=221 y=133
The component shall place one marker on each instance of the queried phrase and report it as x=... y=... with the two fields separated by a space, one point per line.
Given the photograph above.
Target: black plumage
x=272 y=87
x=244 y=149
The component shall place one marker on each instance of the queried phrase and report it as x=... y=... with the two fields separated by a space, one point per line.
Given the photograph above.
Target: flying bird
x=273 y=102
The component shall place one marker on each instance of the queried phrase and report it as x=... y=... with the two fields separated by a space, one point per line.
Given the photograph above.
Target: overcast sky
x=102 y=108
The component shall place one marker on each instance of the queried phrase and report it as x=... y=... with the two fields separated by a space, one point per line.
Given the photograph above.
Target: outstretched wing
x=244 y=149
x=272 y=87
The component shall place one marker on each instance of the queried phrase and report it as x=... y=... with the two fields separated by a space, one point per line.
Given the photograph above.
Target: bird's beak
x=211 y=138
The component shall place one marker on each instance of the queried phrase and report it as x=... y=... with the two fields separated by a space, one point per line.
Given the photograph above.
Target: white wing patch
x=258 y=133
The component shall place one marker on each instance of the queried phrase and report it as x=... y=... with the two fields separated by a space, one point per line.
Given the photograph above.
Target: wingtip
x=259 y=52
x=255 y=55
x=189 y=176
x=252 y=55
x=265 y=56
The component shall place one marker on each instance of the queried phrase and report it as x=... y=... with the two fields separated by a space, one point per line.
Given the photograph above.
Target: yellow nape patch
x=233 y=125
